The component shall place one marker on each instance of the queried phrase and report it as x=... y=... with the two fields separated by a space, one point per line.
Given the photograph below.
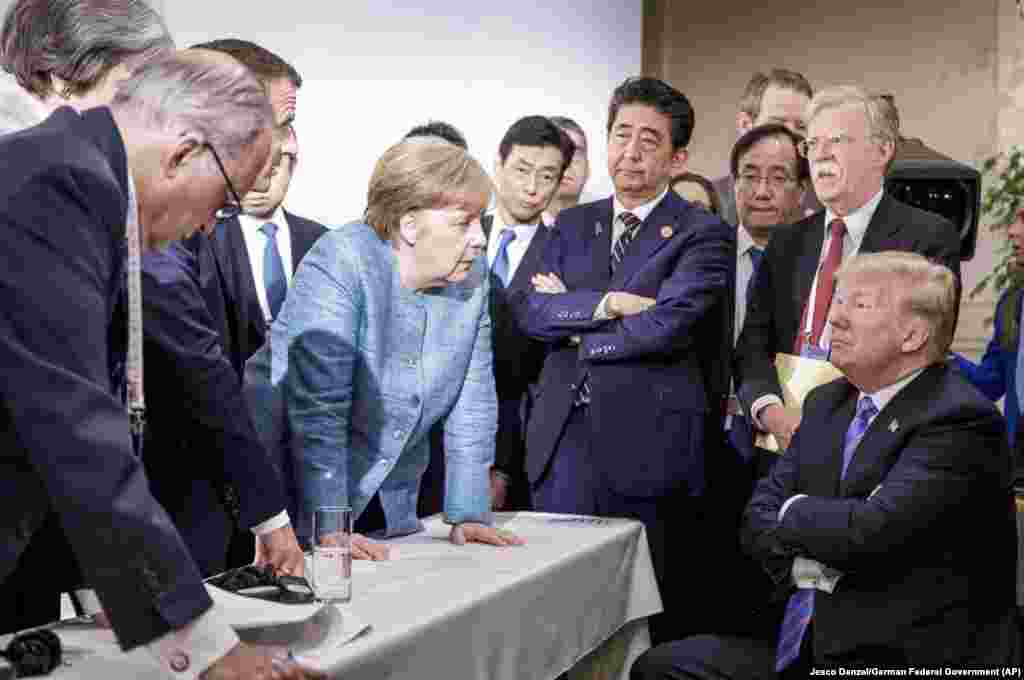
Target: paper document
x=798 y=376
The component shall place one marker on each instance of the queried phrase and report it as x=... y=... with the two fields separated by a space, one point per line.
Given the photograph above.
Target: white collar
x=253 y=223
x=523 y=231
x=641 y=211
x=886 y=394
x=744 y=241
x=857 y=221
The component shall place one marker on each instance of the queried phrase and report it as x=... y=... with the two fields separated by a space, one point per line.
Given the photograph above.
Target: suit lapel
x=833 y=433
x=874 y=454
x=655 y=232
x=597 y=231
x=807 y=265
x=248 y=304
x=300 y=237
x=531 y=259
x=881 y=228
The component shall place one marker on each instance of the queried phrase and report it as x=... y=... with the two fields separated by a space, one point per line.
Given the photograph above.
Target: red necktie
x=826 y=284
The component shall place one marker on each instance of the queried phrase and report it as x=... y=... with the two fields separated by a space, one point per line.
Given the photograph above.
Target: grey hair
x=929 y=290
x=218 y=100
x=881 y=124
x=78 y=41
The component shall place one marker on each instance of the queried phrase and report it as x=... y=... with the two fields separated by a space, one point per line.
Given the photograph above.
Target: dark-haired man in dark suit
x=532 y=157
x=872 y=522
x=850 y=145
x=635 y=308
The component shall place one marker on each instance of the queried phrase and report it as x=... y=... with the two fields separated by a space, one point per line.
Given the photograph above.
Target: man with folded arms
x=888 y=525
x=78 y=183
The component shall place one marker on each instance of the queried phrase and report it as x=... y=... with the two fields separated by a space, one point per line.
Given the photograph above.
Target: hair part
x=439 y=128
x=753 y=94
x=660 y=96
x=220 y=102
x=266 y=65
x=537 y=131
x=750 y=139
x=420 y=173
x=928 y=291
x=78 y=41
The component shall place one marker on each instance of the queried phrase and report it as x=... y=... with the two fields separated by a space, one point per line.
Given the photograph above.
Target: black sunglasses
x=229 y=210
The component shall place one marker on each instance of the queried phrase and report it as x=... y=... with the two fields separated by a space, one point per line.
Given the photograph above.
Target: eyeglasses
x=807 y=147
x=777 y=181
x=228 y=210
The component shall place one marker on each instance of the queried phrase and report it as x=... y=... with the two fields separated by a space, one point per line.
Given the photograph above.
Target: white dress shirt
x=256 y=241
x=618 y=229
x=744 y=272
x=516 y=249
x=856 y=226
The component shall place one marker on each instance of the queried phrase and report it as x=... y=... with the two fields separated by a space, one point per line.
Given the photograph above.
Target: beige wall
x=955 y=68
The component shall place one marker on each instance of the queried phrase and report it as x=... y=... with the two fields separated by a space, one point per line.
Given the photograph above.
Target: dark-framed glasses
x=228 y=210
x=776 y=181
x=807 y=147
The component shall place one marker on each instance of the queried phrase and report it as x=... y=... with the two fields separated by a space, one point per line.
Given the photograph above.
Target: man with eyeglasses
x=850 y=144
x=778 y=97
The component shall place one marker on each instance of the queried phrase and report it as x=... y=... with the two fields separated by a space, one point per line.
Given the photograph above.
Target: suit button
x=411 y=363
x=414 y=400
x=399 y=434
x=179 y=662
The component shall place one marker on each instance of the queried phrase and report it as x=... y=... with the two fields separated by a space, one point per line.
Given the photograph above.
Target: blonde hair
x=419 y=173
x=929 y=291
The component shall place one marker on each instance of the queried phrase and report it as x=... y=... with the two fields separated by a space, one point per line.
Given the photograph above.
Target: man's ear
x=407 y=229
x=678 y=161
x=174 y=160
x=743 y=123
x=915 y=336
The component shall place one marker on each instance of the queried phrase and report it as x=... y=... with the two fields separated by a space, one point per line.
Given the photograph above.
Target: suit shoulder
x=305 y=224
x=827 y=396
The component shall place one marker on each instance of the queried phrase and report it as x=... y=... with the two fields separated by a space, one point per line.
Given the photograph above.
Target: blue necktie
x=1020 y=363
x=502 y=266
x=756 y=257
x=273 y=271
x=800 y=607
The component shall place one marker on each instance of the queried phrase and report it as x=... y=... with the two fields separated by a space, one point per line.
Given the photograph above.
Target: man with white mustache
x=850 y=144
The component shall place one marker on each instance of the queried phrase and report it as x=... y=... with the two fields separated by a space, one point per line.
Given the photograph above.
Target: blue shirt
x=356 y=371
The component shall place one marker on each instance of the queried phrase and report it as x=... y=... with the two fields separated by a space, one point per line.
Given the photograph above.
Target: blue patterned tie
x=273 y=271
x=502 y=267
x=632 y=224
x=800 y=607
x=756 y=257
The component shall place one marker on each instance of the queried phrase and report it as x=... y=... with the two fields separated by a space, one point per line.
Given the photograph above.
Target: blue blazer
x=63 y=432
x=996 y=375
x=659 y=380
x=358 y=368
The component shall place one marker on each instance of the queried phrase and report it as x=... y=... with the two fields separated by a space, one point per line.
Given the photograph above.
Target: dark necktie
x=632 y=224
x=800 y=607
x=502 y=267
x=274 y=280
x=756 y=257
x=824 y=289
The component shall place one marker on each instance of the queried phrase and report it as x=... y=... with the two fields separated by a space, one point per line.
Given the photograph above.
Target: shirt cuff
x=602 y=313
x=759 y=404
x=89 y=601
x=785 y=506
x=186 y=653
x=276 y=522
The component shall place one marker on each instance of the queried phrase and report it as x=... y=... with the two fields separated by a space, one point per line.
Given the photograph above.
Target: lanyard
x=136 y=401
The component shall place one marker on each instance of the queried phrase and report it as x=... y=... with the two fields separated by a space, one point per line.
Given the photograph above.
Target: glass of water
x=332 y=553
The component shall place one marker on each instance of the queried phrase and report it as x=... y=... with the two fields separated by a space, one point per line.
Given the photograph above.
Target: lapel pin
x=666 y=231
x=598 y=228
x=894 y=425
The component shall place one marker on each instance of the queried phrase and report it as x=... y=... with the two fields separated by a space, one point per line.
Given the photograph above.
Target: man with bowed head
x=143 y=166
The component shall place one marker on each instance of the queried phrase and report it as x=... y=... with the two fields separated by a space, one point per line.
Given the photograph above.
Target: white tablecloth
x=473 y=612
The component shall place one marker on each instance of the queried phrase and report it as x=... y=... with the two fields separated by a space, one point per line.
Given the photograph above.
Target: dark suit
x=66 y=442
x=787 y=273
x=922 y=527
x=205 y=463
x=227 y=282
x=659 y=380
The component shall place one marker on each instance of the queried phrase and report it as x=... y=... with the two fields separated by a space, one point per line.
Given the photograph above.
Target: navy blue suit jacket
x=659 y=380
x=230 y=291
x=922 y=526
x=206 y=464
x=64 y=434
